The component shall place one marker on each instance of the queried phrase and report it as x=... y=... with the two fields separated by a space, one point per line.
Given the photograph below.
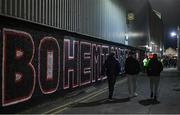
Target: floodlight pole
x=178 y=49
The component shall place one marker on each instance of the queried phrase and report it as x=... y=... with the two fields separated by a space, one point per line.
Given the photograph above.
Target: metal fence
x=98 y=18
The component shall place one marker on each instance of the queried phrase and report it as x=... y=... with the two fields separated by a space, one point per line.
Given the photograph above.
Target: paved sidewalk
x=93 y=99
x=169 y=97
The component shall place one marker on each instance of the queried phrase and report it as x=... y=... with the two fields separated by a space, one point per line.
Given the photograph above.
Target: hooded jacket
x=154 y=67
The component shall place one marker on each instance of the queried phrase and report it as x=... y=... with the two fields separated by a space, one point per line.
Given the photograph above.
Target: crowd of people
x=152 y=67
x=169 y=61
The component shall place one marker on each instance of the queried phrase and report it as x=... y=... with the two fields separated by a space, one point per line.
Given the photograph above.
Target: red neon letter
x=85 y=63
x=18 y=74
x=49 y=65
x=71 y=68
x=104 y=55
x=96 y=50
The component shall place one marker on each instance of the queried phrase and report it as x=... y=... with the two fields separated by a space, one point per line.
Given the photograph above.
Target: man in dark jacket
x=112 y=68
x=154 y=69
x=132 y=68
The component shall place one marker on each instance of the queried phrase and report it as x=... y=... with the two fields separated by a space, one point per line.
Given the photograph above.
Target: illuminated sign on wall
x=48 y=63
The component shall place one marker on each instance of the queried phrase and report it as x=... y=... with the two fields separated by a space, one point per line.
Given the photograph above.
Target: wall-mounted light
x=126 y=36
x=131 y=16
x=152 y=42
x=150 y=49
x=146 y=46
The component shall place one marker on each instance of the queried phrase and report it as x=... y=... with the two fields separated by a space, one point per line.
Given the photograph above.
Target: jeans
x=132 y=84
x=154 y=84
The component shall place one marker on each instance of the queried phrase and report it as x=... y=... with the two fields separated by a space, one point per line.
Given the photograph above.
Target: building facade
x=102 y=19
x=50 y=46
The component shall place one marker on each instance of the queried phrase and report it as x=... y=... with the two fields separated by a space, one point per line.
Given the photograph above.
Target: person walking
x=145 y=63
x=111 y=68
x=154 y=69
x=132 y=68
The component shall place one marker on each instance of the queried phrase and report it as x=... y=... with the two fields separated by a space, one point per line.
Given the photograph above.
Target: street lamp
x=178 y=49
x=177 y=34
x=173 y=34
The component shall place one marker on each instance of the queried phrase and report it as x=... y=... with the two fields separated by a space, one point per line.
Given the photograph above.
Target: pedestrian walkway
x=94 y=101
x=169 y=97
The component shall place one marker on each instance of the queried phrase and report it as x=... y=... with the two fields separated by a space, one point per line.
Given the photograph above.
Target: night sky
x=170 y=11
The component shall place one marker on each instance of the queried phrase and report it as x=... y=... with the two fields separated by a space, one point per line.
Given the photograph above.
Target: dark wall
x=39 y=61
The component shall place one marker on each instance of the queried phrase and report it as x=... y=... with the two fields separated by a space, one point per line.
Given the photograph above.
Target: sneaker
x=151 y=95
x=135 y=94
x=155 y=98
x=110 y=99
x=155 y=101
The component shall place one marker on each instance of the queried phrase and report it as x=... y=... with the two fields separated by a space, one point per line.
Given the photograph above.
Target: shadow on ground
x=176 y=89
x=100 y=102
x=147 y=102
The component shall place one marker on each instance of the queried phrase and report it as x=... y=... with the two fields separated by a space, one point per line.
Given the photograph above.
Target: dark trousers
x=154 y=84
x=145 y=69
x=111 y=83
